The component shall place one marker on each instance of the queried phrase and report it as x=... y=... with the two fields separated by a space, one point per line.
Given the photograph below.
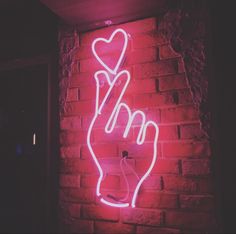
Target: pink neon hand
x=108 y=111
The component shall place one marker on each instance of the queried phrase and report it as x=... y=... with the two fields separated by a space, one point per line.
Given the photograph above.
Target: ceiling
x=92 y=14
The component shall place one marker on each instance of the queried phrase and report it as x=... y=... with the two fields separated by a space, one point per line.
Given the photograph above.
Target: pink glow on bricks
x=121 y=79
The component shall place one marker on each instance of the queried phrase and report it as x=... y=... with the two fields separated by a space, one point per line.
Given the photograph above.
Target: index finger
x=116 y=90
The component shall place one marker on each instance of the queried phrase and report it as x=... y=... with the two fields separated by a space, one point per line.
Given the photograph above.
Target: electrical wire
x=124 y=160
x=131 y=168
x=126 y=181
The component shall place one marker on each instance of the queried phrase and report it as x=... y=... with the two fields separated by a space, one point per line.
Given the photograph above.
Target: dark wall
x=28 y=29
x=219 y=18
x=223 y=98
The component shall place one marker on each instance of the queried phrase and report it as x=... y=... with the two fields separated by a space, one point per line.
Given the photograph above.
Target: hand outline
x=109 y=127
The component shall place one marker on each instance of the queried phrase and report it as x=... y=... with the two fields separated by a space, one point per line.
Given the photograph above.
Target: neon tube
x=111 y=124
x=123 y=75
x=34 y=139
x=112 y=71
x=114 y=204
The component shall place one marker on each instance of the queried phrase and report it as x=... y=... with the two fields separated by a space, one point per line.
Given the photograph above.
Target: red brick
x=142 y=216
x=70 y=152
x=185 y=97
x=102 y=150
x=180 y=184
x=72 y=95
x=172 y=82
x=100 y=212
x=116 y=135
x=81 y=226
x=63 y=214
x=70 y=181
x=154 y=100
x=186 y=149
x=148 y=40
x=73 y=137
x=197 y=202
x=83 y=52
x=187 y=185
x=75 y=165
x=168 y=132
x=86 y=166
x=160 y=68
x=88 y=92
x=191 y=131
x=165 y=166
x=157 y=200
x=86 y=121
x=199 y=221
x=89 y=181
x=81 y=79
x=179 y=114
x=141 y=87
x=166 y=52
x=70 y=123
x=92 y=65
x=116 y=228
x=109 y=182
x=153 y=182
x=196 y=167
x=78 y=195
x=142 y=165
x=79 y=108
x=156 y=230
x=153 y=114
x=142 y=56
x=74 y=210
x=68 y=210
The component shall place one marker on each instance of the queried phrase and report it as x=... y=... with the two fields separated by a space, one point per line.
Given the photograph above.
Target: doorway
x=24 y=181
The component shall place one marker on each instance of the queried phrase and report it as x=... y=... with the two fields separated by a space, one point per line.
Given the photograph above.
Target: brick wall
x=177 y=197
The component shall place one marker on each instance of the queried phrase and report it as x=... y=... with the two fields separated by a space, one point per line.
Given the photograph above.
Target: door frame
x=52 y=152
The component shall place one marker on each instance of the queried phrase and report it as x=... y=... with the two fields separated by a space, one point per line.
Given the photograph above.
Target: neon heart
x=100 y=39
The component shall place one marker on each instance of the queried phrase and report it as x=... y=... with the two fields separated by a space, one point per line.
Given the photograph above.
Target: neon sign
x=115 y=33
x=121 y=79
